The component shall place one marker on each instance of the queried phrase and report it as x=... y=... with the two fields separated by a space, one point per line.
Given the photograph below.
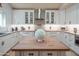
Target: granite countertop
x=5 y=33
x=70 y=32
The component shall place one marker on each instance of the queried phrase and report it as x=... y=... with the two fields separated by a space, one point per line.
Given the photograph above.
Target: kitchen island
x=50 y=47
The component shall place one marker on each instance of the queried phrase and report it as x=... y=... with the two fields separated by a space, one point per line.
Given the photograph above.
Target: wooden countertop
x=30 y=43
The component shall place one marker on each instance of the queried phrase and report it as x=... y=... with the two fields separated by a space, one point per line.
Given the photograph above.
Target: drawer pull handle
x=50 y=54
x=2 y=43
x=31 y=54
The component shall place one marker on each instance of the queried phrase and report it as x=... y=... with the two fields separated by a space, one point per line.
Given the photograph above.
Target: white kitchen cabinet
x=53 y=34
x=23 y=17
x=66 y=38
x=18 y=17
x=56 y=17
x=29 y=17
x=62 y=17
x=77 y=9
x=72 y=39
x=71 y=15
x=1 y=49
x=7 y=42
x=60 y=36
x=69 y=39
x=26 y=34
x=51 y=17
x=67 y=16
x=74 y=14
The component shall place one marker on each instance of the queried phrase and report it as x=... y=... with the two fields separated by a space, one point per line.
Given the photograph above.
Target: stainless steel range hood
x=39 y=21
x=39 y=13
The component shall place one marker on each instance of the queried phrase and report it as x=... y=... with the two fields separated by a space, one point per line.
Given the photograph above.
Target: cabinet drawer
x=26 y=53
x=52 y=53
x=32 y=53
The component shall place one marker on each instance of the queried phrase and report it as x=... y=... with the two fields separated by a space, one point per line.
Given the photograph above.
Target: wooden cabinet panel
x=40 y=53
x=32 y=53
x=48 y=53
x=52 y=53
x=26 y=53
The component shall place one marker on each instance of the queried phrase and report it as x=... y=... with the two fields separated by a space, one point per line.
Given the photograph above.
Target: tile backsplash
x=47 y=27
x=21 y=28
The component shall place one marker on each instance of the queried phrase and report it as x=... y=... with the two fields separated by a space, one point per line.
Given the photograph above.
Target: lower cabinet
x=40 y=53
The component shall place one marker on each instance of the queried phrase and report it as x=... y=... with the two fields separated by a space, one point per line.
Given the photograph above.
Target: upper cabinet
x=71 y=15
x=29 y=17
x=51 y=17
x=62 y=17
x=23 y=16
x=77 y=13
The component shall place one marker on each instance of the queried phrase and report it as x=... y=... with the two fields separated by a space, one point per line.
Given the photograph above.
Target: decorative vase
x=40 y=35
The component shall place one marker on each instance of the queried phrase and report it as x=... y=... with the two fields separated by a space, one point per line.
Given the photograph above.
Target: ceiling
x=36 y=5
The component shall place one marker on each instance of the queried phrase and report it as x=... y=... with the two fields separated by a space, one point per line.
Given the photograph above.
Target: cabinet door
x=61 y=36
x=66 y=38
x=73 y=14
x=56 y=18
x=1 y=45
x=52 y=17
x=53 y=34
x=72 y=39
x=26 y=17
x=47 y=17
x=77 y=9
x=62 y=17
x=29 y=17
